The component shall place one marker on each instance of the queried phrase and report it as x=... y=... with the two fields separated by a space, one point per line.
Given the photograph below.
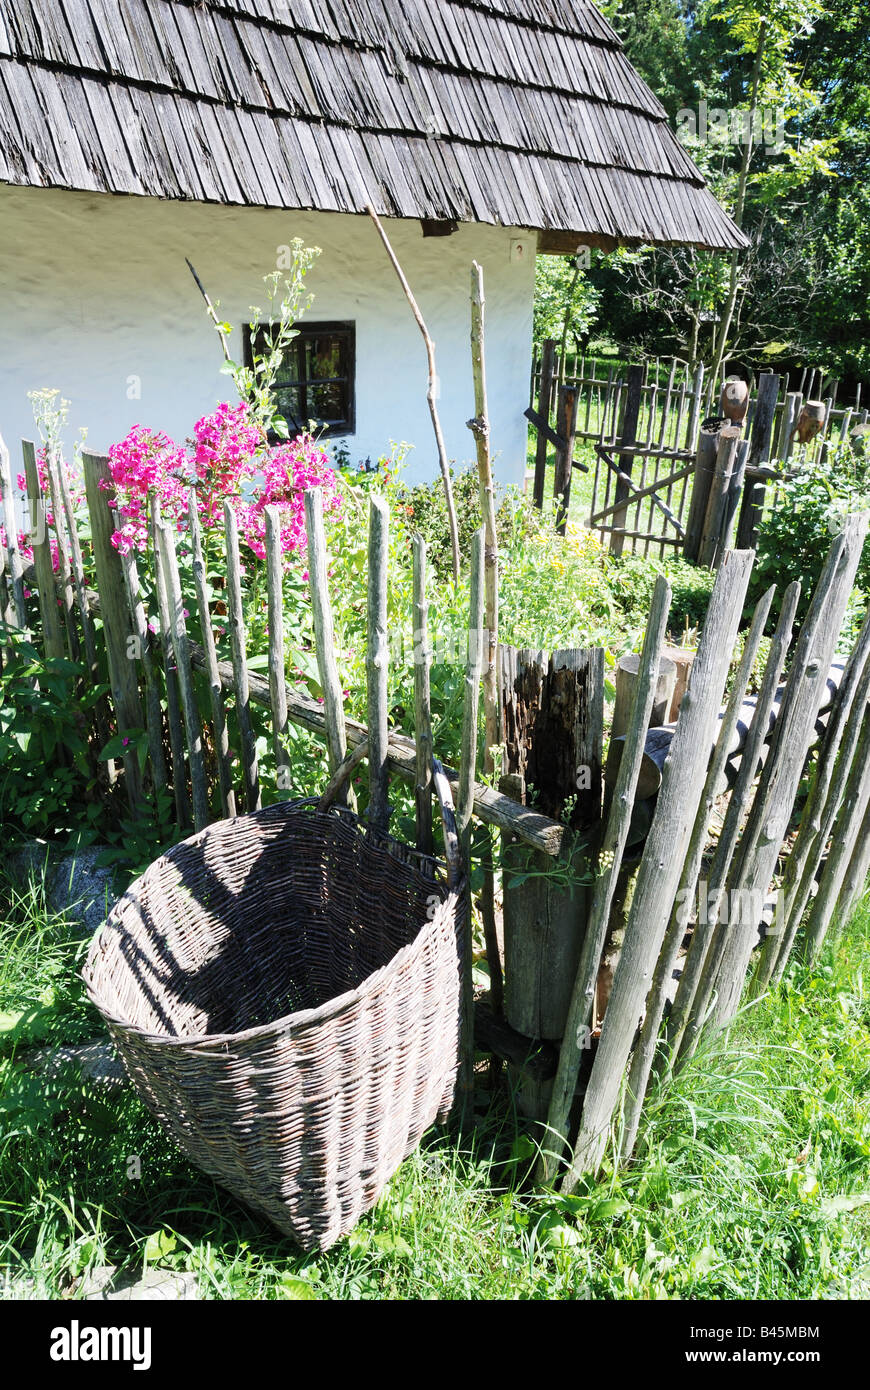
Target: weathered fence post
x=277 y=691
x=68 y=602
x=855 y=878
x=552 y=716
x=576 y=1030
x=465 y=799
x=173 y=699
x=717 y=503
x=627 y=436
x=422 y=701
x=705 y=467
x=52 y=635
x=218 y=713
x=708 y=939
x=765 y=831
x=759 y=453
x=644 y=1052
x=377 y=663
x=240 y=668
x=661 y=867
x=324 y=637
x=856 y=802
x=113 y=609
x=566 y=427
x=545 y=408
x=181 y=650
x=821 y=807
x=153 y=712
x=627 y=674
x=10 y=516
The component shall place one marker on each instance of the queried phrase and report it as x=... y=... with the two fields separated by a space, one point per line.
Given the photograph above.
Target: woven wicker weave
x=284 y=990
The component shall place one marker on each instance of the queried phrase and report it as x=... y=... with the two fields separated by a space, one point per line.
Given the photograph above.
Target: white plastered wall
x=96 y=300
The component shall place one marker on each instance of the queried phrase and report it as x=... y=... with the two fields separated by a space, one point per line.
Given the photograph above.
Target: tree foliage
x=804 y=285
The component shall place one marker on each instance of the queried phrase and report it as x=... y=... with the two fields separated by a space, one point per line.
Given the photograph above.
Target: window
x=316 y=379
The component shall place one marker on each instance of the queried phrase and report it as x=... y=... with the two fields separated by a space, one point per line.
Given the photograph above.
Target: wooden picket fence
x=644 y=423
x=567 y=855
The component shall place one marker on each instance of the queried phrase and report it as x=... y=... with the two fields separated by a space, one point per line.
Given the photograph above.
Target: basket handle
x=441 y=784
x=342 y=774
x=452 y=848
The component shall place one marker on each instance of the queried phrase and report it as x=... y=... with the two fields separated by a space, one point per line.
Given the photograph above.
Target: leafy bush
x=796 y=536
x=44 y=774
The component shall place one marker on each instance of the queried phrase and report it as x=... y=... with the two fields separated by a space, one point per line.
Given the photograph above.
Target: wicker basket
x=284 y=990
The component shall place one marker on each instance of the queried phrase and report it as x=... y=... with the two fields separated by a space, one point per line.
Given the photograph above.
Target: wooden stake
x=377 y=663
x=324 y=636
x=68 y=602
x=275 y=587
x=422 y=701
x=628 y=435
x=566 y=427
x=708 y=939
x=153 y=711
x=479 y=427
x=717 y=503
x=7 y=496
x=473 y=669
x=178 y=631
x=240 y=668
x=173 y=702
x=52 y=634
x=644 y=1052
x=826 y=793
x=705 y=468
x=658 y=878
x=218 y=712
x=465 y=803
x=768 y=821
x=87 y=626
x=856 y=803
x=545 y=409
x=577 y=1034
x=116 y=620
x=855 y=878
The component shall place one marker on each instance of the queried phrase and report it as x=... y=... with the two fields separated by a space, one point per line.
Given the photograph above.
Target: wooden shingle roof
x=523 y=113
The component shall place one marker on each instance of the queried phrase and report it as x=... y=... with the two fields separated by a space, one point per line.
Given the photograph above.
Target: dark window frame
x=343 y=328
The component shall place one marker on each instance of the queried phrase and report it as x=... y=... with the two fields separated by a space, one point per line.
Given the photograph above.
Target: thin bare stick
x=211 y=311
x=431 y=392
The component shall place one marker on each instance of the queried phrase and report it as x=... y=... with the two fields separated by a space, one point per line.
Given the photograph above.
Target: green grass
x=750 y=1183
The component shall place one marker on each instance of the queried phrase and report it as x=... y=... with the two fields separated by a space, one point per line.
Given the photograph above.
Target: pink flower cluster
x=146 y=460
x=227 y=451
x=287 y=471
x=225 y=445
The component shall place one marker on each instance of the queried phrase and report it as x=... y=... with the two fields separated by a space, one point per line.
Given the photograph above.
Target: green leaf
x=608 y=1209
x=159 y=1245
x=703 y=1259
x=296 y=1289
x=393 y=1245
x=833 y=1206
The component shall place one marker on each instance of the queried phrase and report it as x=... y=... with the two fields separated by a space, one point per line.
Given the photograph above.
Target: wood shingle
x=523 y=113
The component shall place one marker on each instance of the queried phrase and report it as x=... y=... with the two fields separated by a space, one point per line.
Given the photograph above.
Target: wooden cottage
x=135 y=133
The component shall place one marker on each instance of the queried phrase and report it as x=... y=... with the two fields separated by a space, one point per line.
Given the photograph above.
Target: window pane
x=324 y=356
x=328 y=403
x=289 y=370
x=289 y=402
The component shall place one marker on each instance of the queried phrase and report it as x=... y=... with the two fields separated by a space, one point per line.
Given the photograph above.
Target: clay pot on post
x=734 y=400
x=810 y=421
